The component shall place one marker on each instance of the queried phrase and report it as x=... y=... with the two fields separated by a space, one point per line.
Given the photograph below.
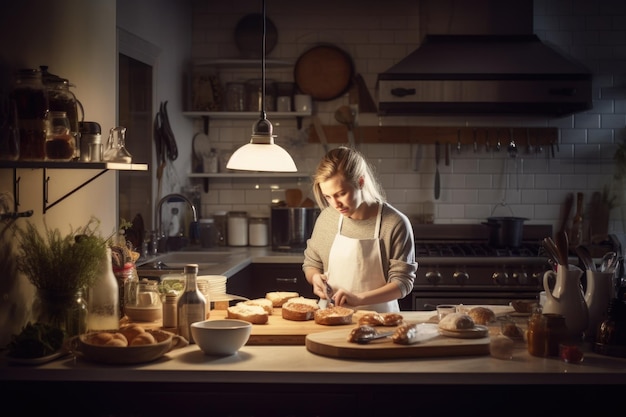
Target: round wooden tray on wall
x=324 y=72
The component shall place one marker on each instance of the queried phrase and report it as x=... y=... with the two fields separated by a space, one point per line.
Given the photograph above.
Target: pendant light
x=262 y=154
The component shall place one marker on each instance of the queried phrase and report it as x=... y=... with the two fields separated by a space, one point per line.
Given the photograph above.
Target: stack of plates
x=215 y=286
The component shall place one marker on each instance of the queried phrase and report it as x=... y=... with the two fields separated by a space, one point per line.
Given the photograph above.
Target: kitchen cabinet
x=44 y=166
x=258 y=279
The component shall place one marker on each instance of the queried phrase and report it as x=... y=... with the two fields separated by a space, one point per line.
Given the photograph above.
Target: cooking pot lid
x=324 y=72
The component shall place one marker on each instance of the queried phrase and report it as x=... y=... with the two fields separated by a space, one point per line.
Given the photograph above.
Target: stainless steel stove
x=456 y=265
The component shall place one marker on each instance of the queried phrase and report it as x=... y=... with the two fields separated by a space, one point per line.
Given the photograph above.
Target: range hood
x=484 y=74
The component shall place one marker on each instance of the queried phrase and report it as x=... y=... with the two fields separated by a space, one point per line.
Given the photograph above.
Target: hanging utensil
x=437 y=179
x=475 y=142
x=551 y=249
x=608 y=261
x=345 y=116
x=459 y=145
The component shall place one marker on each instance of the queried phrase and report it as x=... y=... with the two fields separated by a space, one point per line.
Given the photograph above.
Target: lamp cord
x=263 y=115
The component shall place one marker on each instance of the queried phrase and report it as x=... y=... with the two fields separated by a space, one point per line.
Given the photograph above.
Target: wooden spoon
x=585 y=257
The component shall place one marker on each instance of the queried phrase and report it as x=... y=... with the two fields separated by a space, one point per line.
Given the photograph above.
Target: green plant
x=61 y=263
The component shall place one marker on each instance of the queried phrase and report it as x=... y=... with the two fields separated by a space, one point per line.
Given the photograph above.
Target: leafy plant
x=61 y=263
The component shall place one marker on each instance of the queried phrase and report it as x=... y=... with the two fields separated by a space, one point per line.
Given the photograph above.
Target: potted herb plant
x=61 y=267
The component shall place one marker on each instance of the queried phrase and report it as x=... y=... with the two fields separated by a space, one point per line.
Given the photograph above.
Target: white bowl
x=221 y=337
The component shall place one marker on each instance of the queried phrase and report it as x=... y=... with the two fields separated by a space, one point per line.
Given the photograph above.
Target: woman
x=361 y=245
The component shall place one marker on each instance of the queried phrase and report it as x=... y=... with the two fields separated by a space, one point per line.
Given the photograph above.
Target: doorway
x=135 y=114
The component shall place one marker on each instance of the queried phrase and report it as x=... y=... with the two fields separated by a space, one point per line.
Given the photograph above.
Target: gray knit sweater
x=397 y=243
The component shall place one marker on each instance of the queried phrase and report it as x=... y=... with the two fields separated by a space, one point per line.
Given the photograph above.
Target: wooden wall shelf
x=431 y=134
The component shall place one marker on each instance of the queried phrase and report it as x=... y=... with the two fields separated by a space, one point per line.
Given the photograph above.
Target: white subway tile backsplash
x=379 y=34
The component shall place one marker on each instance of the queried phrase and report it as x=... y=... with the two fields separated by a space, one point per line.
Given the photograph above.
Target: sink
x=176 y=261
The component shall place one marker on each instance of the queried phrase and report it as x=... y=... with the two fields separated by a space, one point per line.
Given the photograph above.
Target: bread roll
x=456 y=321
x=254 y=314
x=261 y=302
x=299 y=309
x=405 y=334
x=131 y=331
x=333 y=316
x=278 y=298
x=144 y=338
x=117 y=341
x=482 y=315
x=100 y=338
x=381 y=319
x=361 y=331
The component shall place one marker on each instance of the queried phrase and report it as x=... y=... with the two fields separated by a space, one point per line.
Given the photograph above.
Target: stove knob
x=521 y=277
x=461 y=277
x=537 y=277
x=433 y=277
x=500 y=278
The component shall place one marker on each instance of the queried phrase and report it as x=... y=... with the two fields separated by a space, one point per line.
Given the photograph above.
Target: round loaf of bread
x=333 y=316
x=482 y=315
x=144 y=338
x=456 y=321
x=131 y=331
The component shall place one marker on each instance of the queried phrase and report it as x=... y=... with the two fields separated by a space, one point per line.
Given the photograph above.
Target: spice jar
x=31 y=101
x=258 y=228
x=237 y=228
x=169 y=310
x=60 y=143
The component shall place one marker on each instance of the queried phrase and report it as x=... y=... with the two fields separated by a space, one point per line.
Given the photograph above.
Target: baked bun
x=405 y=334
x=261 y=302
x=333 y=316
x=381 y=319
x=144 y=338
x=456 y=321
x=482 y=315
x=299 y=309
x=254 y=314
x=131 y=331
x=278 y=298
x=107 y=339
x=363 y=330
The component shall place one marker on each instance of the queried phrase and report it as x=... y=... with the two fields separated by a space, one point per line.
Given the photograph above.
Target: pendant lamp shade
x=262 y=154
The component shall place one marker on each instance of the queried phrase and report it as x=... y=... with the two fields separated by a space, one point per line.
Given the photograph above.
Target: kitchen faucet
x=175 y=197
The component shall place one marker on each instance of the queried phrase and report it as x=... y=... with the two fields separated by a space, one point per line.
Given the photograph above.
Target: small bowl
x=221 y=337
x=524 y=306
x=144 y=314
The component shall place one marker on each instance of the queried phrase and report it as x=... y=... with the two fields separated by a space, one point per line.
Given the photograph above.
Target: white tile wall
x=377 y=35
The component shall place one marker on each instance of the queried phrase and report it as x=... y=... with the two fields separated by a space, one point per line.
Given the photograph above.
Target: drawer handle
x=287 y=280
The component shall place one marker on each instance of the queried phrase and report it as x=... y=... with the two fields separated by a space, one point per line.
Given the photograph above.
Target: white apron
x=356 y=265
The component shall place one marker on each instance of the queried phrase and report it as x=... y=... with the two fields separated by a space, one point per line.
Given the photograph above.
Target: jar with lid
x=258 y=230
x=208 y=232
x=31 y=101
x=235 y=96
x=60 y=143
x=545 y=333
x=254 y=93
x=237 y=228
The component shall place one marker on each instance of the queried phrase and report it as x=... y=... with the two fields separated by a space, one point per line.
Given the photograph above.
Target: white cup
x=303 y=102
x=445 y=309
x=283 y=103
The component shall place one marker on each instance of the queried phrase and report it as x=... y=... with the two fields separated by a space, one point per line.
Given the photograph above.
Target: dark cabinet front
x=258 y=279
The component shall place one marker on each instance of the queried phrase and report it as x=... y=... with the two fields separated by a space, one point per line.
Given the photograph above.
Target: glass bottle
x=115 y=149
x=103 y=301
x=31 y=101
x=191 y=305
x=60 y=143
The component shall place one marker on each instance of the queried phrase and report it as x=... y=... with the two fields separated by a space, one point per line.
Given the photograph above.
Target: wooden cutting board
x=334 y=344
x=278 y=331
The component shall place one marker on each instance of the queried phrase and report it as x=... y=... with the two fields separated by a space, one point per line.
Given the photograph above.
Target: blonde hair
x=352 y=166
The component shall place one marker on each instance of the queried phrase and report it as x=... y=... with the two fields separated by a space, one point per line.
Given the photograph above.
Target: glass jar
x=258 y=230
x=237 y=228
x=66 y=310
x=31 y=101
x=254 y=93
x=208 y=233
x=221 y=226
x=235 y=96
x=128 y=286
x=60 y=143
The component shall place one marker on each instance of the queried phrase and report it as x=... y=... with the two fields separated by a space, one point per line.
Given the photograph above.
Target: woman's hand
x=342 y=297
x=319 y=285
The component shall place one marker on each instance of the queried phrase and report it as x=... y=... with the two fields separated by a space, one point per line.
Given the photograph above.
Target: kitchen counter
x=266 y=373
x=234 y=259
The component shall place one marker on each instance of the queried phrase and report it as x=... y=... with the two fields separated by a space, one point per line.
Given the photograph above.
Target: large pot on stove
x=505 y=231
x=292 y=227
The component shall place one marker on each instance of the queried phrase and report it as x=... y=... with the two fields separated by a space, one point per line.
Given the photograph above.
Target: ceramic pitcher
x=567 y=298
x=598 y=295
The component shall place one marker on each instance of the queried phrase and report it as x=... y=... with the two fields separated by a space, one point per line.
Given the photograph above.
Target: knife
x=329 y=294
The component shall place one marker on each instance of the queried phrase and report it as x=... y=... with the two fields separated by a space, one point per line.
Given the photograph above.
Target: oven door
x=427 y=301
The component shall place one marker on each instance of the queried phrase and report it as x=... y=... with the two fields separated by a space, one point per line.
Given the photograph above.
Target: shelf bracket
x=46 y=181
